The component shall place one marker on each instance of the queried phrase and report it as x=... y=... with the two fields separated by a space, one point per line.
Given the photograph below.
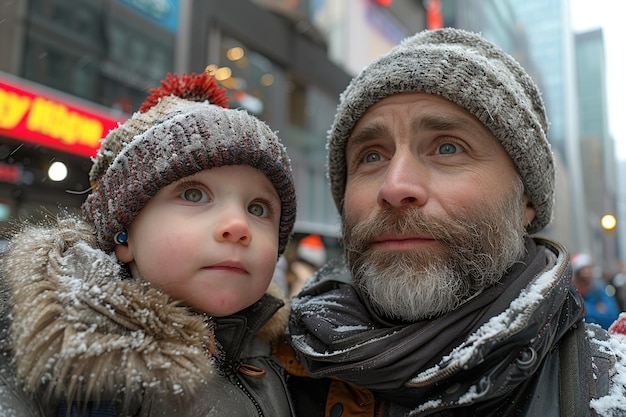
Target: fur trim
x=83 y=332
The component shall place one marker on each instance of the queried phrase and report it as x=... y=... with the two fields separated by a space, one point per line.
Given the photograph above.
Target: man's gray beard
x=477 y=248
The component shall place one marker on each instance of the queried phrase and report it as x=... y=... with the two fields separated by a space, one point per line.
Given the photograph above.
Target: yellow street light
x=608 y=222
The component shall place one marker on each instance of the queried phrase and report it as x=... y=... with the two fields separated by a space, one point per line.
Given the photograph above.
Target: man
x=444 y=304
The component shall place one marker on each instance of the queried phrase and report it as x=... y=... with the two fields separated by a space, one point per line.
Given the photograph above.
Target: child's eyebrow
x=270 y=190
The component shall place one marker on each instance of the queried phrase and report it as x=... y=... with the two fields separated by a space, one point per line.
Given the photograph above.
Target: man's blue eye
x=447 y=149
x=373 y=157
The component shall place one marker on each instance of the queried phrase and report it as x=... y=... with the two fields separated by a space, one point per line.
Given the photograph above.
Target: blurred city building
x=70 y=70
x=534 y=33
x=569 y=70
x=598 y=162
x=286 y=61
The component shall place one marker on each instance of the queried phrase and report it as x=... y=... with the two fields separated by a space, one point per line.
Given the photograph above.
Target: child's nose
x=234 y=228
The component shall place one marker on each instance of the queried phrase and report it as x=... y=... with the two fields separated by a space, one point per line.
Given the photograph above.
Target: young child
x=157 y=302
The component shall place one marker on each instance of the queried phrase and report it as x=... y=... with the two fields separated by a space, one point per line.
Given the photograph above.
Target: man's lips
x=401 y=242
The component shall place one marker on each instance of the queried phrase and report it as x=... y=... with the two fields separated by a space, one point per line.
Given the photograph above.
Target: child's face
x=209 y=240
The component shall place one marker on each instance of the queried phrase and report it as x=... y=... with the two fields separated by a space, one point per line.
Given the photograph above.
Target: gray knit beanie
x=474 y=74
x=182 y=128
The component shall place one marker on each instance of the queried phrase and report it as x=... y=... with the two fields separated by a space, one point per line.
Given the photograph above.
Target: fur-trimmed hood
x=82 y=329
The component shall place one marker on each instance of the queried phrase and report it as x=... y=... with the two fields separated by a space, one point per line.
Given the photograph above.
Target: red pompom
x=201 y=87
x=619 y=325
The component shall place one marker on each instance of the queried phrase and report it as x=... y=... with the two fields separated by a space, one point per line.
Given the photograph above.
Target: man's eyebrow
x=375 y=130
x=368 y=132
x=434 y=123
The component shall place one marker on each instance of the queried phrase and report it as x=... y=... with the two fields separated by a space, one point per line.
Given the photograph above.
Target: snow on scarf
x=335 y=334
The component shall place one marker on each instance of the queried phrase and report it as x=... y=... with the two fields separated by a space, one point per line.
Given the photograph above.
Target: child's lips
x=229 y=266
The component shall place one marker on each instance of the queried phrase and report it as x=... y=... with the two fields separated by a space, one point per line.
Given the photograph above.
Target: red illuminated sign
x=9 y=173
x=434 y=17
x=34 y=116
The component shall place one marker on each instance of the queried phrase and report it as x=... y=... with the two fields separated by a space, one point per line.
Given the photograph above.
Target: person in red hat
x=310 y=256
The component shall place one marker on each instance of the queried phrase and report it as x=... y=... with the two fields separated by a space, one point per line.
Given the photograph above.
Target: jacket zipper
x=234 y=377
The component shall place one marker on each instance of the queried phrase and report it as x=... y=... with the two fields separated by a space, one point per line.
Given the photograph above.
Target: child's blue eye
x=194 y=195
x=258 y=209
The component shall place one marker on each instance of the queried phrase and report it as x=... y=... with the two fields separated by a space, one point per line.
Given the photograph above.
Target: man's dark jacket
x=520 y=348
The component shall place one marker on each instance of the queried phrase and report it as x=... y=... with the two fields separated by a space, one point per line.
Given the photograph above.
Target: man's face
x=434 y=209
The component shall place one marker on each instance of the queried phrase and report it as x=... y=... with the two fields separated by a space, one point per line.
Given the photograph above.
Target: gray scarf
x=335 y=333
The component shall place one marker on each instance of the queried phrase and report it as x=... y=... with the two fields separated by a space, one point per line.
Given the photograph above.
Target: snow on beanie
x=183 y=128
x=474 y=74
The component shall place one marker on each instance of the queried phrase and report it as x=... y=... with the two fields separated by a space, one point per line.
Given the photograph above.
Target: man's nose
x=405 y=183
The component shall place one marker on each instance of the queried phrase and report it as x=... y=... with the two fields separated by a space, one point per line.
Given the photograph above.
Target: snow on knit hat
x=474 y=74
x=183 y=128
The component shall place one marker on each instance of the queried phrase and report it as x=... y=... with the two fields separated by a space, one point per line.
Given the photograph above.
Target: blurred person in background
x=619 y=282
x=310 y=255
x=280 y=274
x=601 y=307
x=445 y=303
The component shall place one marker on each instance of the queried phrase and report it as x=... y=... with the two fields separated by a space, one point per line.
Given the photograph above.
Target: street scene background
x=70 y=70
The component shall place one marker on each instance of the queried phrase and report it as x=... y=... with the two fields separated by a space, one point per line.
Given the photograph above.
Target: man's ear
x=529 y=211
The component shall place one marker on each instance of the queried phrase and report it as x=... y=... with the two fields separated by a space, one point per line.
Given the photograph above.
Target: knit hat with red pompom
x=183 y=128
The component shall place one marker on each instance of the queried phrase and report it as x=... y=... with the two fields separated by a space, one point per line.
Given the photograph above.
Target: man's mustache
x=407 y=221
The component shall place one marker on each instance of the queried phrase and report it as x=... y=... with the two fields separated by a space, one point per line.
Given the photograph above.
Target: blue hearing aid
x=121 y=237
